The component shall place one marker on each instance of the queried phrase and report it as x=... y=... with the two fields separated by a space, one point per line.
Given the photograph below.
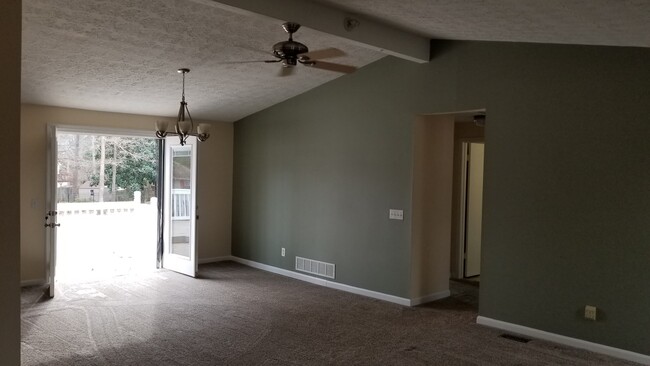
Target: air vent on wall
x=315 y=267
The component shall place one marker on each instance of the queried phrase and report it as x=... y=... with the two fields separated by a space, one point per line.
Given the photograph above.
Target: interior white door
x=474 y=212
x=179 y=208
x=50 y=207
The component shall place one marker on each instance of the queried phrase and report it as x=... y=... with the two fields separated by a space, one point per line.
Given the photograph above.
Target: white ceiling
x=122 y=55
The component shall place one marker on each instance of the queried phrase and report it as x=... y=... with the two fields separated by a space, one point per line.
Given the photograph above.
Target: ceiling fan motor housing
x=289 y=51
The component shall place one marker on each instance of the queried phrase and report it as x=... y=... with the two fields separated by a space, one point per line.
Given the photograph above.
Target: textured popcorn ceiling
x=587 y=22
x=122 y=55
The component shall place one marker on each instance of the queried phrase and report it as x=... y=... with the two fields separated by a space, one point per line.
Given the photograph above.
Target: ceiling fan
x=291 y=53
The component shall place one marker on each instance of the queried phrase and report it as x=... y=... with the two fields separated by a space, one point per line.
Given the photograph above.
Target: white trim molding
x=568 y=341
x=325 y=283
x=215 y=259
x=36 y=282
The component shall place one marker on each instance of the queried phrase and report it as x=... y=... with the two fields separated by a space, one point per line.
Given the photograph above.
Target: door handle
x=47 y=218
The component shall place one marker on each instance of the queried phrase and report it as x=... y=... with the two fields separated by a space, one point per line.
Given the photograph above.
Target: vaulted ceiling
x=122 y=55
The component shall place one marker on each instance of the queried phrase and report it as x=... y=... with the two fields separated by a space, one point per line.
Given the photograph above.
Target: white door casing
x=474 y=213
x=179 y=208
x=50 y=207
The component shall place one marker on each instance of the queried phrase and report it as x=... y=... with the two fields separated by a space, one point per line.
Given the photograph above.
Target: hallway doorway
x=439 y=209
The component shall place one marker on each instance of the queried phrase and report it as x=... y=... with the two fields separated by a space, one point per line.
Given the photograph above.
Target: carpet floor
x=236 y=315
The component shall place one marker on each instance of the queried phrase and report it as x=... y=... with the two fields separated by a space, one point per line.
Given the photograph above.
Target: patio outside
x=98 y=240
x=106 y=204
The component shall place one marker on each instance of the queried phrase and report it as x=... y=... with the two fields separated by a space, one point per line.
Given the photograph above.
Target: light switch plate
x=394 y=214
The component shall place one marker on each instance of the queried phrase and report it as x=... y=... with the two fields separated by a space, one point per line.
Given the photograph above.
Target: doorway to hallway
x=438 y=207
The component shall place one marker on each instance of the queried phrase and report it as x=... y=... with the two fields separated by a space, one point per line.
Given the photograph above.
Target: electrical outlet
x=590 y=312
x=283 y=252
x=394 y=214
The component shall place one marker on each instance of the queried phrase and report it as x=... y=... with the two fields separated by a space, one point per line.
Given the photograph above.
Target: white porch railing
x=98 y=208
x=98 y=239
x=181 y=204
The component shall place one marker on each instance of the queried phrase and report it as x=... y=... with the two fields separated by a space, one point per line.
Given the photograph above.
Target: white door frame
x=50 y=208
x=463 y=209
x=473 y=224
x=187 y=265
x=462 y=227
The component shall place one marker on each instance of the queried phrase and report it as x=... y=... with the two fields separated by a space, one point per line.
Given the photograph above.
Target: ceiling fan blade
x=286 y=71
x=329 y=66
x=324 y=53
x=246 y=62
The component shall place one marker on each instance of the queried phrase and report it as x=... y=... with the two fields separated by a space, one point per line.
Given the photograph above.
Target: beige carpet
x=235 y=315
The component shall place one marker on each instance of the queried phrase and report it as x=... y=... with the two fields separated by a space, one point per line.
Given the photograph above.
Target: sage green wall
x=566 y=194
x=567 y=187
x=318 y=174
x=10 y=31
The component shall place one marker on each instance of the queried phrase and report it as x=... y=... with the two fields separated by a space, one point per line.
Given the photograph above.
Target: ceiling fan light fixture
x=183 y=128
x=289 y=62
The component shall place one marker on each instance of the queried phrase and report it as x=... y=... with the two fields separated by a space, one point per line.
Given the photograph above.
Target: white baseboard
x=568 y=341
x=280 y=271
x=369 y=293
x=38 y=281
x=215 y=259
x=431 y=297
x=323 y=282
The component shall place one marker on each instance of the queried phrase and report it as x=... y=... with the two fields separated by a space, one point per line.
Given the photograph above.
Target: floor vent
x=515 y=338
x=315 y=267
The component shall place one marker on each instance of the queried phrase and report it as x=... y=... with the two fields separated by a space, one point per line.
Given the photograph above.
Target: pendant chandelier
x=183 y=128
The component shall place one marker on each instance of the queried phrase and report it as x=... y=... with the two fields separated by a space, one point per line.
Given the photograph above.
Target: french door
x=179 y=202
x=50 y=205
x=179 y=206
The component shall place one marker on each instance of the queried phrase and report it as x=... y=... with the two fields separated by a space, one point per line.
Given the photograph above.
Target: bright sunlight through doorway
x=106 y=205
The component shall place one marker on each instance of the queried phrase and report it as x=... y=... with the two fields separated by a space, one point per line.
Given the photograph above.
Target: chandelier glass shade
x=183 y=127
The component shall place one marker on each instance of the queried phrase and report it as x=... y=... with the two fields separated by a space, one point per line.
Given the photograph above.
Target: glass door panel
x=179 y=239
